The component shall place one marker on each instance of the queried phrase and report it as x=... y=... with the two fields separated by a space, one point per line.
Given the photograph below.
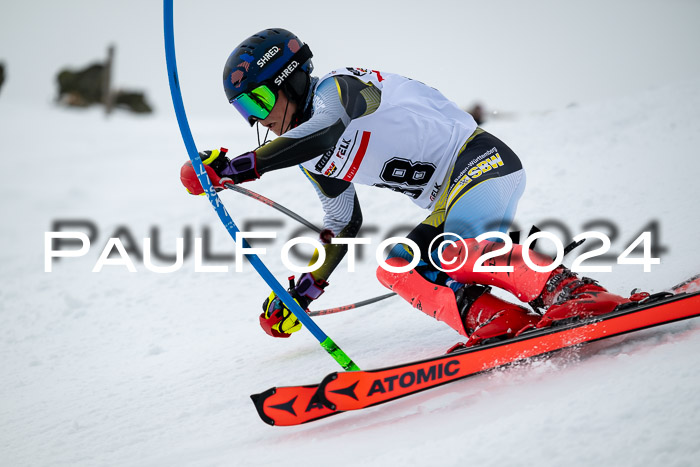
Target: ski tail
x=291 y=405
x=687 y=286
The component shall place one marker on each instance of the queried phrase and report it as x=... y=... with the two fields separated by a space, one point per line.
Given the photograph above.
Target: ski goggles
x=256 y=104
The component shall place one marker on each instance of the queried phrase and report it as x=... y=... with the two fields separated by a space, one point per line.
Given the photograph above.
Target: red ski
x=687 y=286
x=290 y=405
x=359 y=389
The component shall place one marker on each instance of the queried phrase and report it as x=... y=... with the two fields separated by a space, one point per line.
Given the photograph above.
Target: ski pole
x=301 y=220
x=272 y=204
x=187 y=138
x=352 y=306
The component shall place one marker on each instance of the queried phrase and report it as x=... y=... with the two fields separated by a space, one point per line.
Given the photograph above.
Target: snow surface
x=119 y=368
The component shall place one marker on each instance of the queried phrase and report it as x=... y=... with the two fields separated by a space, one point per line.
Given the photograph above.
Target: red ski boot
x=570 y=297
x=567 y=295
x=488 y=318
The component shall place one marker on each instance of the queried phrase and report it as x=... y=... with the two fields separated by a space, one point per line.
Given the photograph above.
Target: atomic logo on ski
x=348 y=391
x=314 y=404
x=287 y=406
x=414 y=377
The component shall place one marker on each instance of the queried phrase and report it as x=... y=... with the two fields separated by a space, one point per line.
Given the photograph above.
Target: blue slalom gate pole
x=325 y=341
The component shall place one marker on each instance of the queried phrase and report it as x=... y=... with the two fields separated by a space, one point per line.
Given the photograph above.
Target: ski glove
x=276 y=319
x=220 y=169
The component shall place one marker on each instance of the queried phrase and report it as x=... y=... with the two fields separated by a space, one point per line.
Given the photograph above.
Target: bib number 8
x=405 y=172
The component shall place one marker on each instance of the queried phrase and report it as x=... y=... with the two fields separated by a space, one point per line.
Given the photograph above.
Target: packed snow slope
x=149 y=369
x=141 y=368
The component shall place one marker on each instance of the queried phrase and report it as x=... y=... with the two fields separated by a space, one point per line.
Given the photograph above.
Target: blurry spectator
x=86 y=87
x=477 y=112
x=81 y=88
x=132 y=100
x=2 y=73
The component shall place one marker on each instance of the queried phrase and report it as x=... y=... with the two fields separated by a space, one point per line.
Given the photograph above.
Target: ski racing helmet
x=263 y=64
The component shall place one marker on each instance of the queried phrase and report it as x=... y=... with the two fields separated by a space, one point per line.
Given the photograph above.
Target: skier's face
x=280 y=118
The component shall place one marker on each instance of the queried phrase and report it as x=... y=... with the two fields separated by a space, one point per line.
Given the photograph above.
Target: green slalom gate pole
x=325 y=341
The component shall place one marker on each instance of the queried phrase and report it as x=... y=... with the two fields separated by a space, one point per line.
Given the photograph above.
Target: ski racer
x=355 y=125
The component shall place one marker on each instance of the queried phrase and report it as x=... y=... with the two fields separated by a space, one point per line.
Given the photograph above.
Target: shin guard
x=523 y=282
x=434 y=300
x=473 y=312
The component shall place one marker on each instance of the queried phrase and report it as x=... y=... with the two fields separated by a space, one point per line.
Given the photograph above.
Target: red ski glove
x=276 y=319
x=212 y=160
x=220 y=169
x=189 y=179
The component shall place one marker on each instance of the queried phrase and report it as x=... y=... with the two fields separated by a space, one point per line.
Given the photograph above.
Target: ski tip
x=687 y=286
x=259 y=402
